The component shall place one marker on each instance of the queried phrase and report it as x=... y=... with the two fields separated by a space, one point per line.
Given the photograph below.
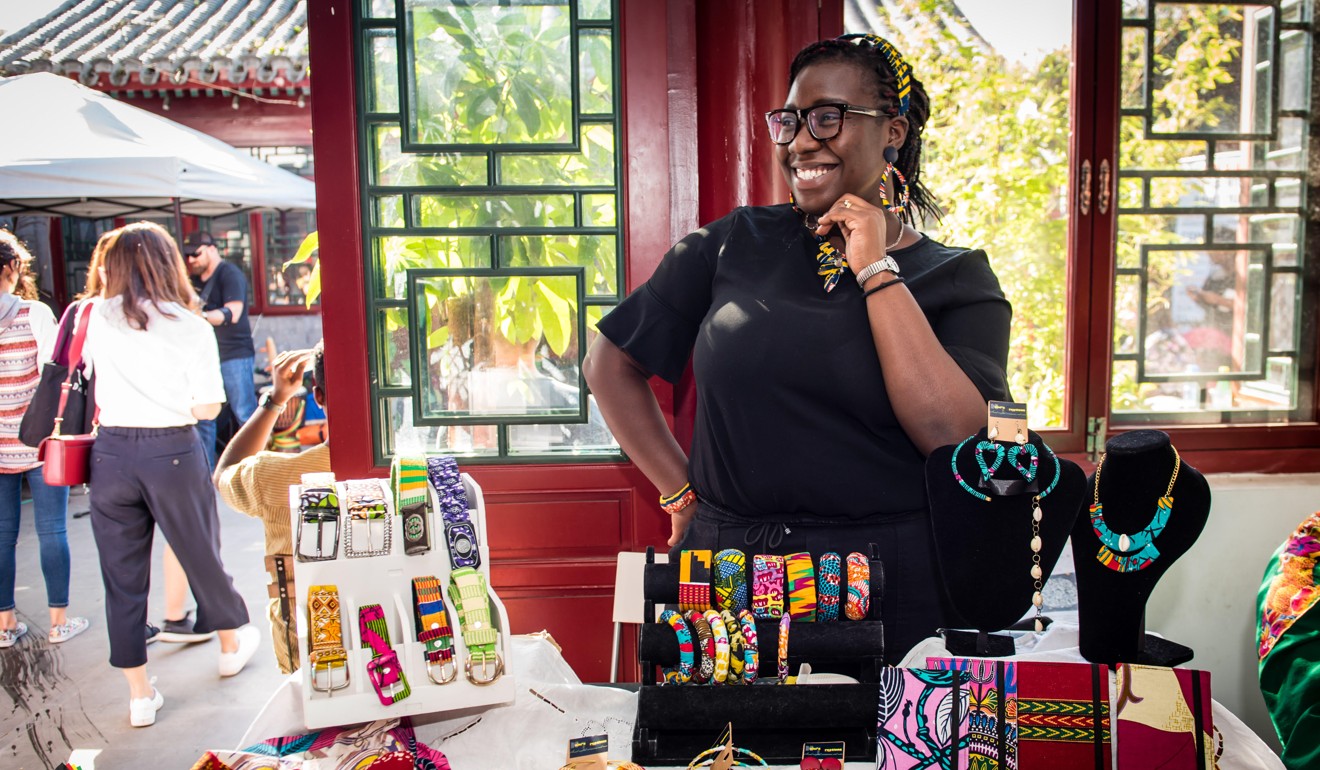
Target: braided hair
x=877 y=56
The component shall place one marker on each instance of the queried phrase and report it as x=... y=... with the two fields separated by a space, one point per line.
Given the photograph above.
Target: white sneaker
x=142 y=711
x=233 y=662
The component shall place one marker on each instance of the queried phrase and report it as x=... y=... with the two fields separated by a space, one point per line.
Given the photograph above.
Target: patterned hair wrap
x=902 y=70
x=731 y=580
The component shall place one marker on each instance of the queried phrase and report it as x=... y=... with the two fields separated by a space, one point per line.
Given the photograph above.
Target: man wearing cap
x=222 y=289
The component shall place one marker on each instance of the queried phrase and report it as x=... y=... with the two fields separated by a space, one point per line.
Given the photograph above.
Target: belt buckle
x=371 y=519
x=387 y=676
x=486 y=659
x=329 y=669
x=320 y=520
x=447 y=667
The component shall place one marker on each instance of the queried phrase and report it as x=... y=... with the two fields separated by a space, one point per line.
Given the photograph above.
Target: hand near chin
x=678 y=523
x=862 y=226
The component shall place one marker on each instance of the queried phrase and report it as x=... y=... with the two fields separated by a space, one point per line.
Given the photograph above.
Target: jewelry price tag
x=589 y=752
x=822 y=755
x=1007 y=421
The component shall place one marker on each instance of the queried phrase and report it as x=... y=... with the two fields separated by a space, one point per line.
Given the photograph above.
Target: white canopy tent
x=66 y=150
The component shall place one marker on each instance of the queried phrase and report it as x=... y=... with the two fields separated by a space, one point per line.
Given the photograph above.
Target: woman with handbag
x=157 y=372
x=27 y=335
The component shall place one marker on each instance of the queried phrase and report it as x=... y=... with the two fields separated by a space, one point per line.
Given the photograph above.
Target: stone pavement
x=61 y=699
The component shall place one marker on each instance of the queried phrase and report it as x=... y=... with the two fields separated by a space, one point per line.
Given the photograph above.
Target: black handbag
x=80 y=411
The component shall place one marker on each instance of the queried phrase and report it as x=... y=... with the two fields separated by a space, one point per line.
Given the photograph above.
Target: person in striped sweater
x=27 y=336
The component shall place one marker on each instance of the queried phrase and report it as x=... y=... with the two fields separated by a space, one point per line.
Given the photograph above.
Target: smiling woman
x=857 y=336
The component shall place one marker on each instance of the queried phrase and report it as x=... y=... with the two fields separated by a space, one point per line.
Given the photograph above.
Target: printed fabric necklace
x=1132 y=553
x=830 y=262
x=1037 y=514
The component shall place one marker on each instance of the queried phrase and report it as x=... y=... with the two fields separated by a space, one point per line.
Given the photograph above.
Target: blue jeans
x=241 y=395
x=50 y=507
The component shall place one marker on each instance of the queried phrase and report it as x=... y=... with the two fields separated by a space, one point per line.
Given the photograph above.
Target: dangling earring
x=1021 y=438
x=993 y=432
x=901 y=195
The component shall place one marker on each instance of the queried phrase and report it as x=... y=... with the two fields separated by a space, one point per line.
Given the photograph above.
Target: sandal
x=10 y=636
x=67 y=630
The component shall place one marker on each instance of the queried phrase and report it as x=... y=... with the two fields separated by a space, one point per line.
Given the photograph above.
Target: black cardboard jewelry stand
x=677 y=722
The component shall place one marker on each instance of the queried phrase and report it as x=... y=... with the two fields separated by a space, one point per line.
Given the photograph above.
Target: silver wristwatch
x=268 y=403
x=880 y=265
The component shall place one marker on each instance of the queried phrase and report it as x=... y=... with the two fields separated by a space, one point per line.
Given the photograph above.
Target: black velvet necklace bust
x=1135 y=474
x=984 y=548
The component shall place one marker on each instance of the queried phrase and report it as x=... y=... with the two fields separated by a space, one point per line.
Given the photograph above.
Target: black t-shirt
x=793 y=420
x=227 y=284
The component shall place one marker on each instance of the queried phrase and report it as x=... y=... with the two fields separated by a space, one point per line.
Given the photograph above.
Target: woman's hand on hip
x=863 y=227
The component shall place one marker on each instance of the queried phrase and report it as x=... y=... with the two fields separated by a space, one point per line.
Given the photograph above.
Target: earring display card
x=1006 y=420
x=922 y=719
x=1164 y=719
x=992 y=726
x=386 y=580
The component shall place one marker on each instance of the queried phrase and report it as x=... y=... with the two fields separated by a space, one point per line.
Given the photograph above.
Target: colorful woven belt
x=730 y=580
x=383 y=669
x=767 y=586
x=366 y=504
x=318 y=505
x=828 y=586
x=471 y=600
x=705 y=645
x=694 y=581
x=433 y=631
x=411 y=501
x=325 y=638
x=800 y=574
x=682 y=673
x=721 y=635
x=858 y=605
x=460 y=533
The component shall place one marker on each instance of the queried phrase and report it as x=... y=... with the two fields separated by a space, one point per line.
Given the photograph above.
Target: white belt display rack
x=385 y=578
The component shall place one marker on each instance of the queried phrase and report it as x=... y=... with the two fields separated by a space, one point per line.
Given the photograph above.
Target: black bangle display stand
x=983 y=547
x=677 y=722
x=1111 y=604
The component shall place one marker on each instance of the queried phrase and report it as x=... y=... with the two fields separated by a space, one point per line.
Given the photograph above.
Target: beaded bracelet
x=705 y=644
x=828 y=587
x=737 y=648
x=721 y=634
x=800 y=573
x=730 y=580
x=682 y=673
x=859 y=587
x=751 y=653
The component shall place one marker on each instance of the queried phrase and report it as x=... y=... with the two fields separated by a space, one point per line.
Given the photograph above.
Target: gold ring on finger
x=847 y=204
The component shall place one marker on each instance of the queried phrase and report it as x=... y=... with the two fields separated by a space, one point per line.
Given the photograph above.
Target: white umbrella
x=66 y=150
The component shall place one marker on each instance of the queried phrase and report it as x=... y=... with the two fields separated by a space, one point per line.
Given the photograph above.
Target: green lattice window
x=492 y=221
x=1209 y=320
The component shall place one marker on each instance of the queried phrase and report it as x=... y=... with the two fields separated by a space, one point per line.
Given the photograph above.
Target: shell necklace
x=1135 y=552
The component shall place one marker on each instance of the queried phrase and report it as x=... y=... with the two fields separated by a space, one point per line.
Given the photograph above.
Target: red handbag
x=67 y=460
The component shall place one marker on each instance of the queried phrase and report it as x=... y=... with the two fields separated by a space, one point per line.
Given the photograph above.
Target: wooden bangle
x=883 y=286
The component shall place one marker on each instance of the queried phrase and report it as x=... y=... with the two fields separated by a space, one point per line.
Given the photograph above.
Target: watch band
x=383 y=669
x=318 y=505
x=721 y=635
x=706 y=644
x=828 y=583
x=767 y=586
x=730 y=580
x=325 y=638
x=737 y=648
x=752 y=654
x=460 y=533
x=471 y=600
x=694 y=581
x=433 y=631
x=878 y=266
x=267 y=402
x=800 y=577
x=682 y=673
x=366 y=507
x=858 y=605
x=408 y=476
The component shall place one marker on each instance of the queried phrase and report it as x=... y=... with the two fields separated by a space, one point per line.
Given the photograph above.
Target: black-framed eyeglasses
x=824 y=121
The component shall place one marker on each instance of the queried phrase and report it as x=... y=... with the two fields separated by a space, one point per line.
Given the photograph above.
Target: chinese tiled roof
x=115 y=44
